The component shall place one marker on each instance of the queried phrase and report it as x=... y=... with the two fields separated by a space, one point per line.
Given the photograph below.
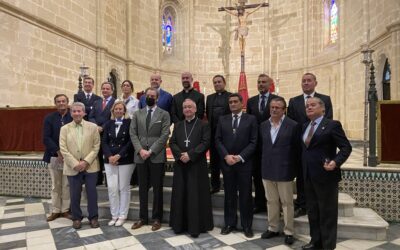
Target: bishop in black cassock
x=191 y=209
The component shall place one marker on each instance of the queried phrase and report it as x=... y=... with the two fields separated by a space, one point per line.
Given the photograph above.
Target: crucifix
x=242 y=30
x=187 y=142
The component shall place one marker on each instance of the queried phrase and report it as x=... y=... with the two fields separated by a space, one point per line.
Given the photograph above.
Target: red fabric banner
x=242 y=89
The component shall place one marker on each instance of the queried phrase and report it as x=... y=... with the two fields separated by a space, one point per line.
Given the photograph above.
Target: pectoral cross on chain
x=187 y=141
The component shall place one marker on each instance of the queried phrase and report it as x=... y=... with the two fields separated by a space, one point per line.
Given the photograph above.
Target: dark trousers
x=322 y=210
x=100 y=175
x=215 y=168
x=236 y=179
x=75 y=189
x=259 y=192
x=151 y=175
x=300 y=201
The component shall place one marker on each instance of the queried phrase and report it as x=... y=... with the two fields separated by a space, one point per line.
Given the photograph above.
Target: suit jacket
x=70 y=149
x=112 y=143
x=326 y=139
x=253 y=108
x=154 y=139
x=243 y=143
x=81 y=97
x=164 y=101
x=280 y=159
x=210 y=109
x=177 y=110
x=51 y=133
x=297 y=109
x=100 y=116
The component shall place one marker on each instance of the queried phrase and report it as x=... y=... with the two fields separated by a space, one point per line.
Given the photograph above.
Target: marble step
x=365 y=224
x=346 y=203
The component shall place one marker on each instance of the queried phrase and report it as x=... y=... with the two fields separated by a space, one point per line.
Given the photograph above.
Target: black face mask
x=150 y=101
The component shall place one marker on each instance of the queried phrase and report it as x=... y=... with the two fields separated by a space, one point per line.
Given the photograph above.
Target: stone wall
x=44 y=43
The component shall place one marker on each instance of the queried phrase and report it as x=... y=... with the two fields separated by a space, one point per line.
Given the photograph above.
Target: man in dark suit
x=165 y=99
x=280 y=139
x=216 y=106
x=100 y=115
x=297 y=112
x=321 y=168
x=149 y=134
x=87 y=97
x=259 y=107
x=236 y=140
x=187 y=92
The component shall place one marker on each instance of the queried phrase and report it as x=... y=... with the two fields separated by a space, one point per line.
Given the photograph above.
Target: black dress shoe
x=227 y=230
x=258 y=210
x=214 y=190
x=248 y=232
x=194 y=235
x=289 y=239
x=299 y=212
x=311 y=246
x=269 y=234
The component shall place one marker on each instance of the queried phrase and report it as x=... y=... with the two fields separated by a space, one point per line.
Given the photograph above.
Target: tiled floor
x=23 y=226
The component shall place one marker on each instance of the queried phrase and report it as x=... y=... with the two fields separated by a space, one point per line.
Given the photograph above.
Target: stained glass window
x=167 y=27
x=333 y=22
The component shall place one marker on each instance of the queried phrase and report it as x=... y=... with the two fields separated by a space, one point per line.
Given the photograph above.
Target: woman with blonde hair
x=118 y=162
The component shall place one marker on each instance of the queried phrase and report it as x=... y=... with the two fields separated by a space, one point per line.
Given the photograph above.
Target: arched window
x=386 y=81
x=333 y=22
x=168 y=30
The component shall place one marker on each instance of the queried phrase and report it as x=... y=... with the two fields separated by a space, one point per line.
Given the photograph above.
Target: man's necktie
x=235 y=123
x=104 y=103
x=262 y=104
x=148 y=119
x=310 y=134
x=87 y=97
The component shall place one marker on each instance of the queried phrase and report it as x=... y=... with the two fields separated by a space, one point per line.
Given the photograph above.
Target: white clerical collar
x=191 y=119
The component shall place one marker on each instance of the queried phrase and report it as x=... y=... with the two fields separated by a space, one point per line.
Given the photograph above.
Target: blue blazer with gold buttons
x=120 y=143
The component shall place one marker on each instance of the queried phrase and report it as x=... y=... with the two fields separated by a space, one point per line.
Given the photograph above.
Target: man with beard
x=187 y=93
x=216 y=106
x=259 y=107
x=191 y=200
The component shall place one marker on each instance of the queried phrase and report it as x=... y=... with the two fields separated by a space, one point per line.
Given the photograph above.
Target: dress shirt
x=317 y=122
x=260 y=99
x=275 y=130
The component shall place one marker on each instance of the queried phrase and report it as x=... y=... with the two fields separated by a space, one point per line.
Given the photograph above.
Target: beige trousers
x=277 y=193
x=60 y=199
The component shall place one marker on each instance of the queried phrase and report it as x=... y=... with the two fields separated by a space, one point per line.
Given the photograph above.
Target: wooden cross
x=242 y=30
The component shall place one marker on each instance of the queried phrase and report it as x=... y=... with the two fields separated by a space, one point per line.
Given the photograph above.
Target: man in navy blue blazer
x=236 y=141
x=164 y=100
x=280 y=139
x=258 y=106
x=60 y=196
x=321 y=168
x=297 y=112
x=100 y=115
x=87 y=96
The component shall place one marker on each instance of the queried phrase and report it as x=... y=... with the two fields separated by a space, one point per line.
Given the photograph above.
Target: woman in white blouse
x=131 y=103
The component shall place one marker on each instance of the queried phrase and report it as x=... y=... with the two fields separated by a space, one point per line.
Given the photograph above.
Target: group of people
x=267 y=146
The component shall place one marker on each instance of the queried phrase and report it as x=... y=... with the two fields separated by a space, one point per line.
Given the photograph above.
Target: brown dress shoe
x=138 y=224
x=76 y=224
x=66 y=215
x=94 y=223
x=53 y=216
x=156 y=225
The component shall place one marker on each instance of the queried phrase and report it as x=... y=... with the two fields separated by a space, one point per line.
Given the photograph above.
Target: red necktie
x=104 y=103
